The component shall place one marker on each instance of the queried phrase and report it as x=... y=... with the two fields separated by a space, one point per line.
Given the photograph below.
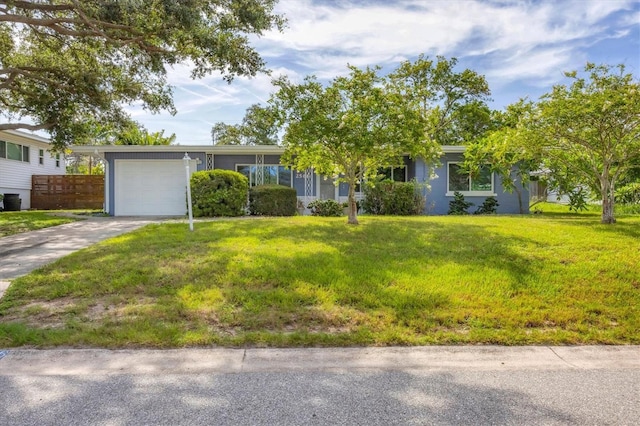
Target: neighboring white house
x=21 y=156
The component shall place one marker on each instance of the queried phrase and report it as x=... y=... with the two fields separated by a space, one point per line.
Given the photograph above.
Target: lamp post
x=186 y=160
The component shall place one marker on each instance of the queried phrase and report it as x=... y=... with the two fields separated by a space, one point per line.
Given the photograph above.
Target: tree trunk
x=607 y=204
x=353 y=207
x=519 y=192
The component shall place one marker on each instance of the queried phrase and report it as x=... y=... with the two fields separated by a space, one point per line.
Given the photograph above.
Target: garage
x=150 y=187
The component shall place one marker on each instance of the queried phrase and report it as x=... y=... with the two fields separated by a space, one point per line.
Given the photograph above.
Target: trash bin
x=12 y=202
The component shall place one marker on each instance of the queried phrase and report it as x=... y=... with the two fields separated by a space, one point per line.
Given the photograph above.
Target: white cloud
x=509 y=41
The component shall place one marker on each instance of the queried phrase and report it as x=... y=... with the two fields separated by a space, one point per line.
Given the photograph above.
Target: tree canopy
x=65 y=64
x=359 y=123
x=451 y=103
x=495 y=149
x=140 y=136
x=259 y=127
x=583 y=136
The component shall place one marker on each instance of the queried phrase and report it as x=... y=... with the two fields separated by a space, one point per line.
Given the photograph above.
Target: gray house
x=151 y=180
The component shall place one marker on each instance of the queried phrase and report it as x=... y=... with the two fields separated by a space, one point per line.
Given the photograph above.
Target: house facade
x=21 y=156
x=151 y=180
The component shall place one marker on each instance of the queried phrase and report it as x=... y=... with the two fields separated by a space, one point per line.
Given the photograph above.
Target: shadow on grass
x=157 y=285
x=625 y=226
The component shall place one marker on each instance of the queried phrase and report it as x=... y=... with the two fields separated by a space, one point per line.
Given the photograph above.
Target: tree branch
x=32 y=127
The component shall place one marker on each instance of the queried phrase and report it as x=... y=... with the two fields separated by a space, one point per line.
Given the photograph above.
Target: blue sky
x=521 y=47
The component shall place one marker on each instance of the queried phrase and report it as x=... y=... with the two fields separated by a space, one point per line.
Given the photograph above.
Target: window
x=57 y=160
x=271 y=174
x=462 y=182
x=396 y=174
x=41 y=157
x=14 y=151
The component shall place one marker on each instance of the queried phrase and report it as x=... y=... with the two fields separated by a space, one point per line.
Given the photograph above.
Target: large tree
x=586 y=134
x=259 y=127
x=451 y=103
x=362 y=122
x=496 y=150
x=227 y=134
x=136 y=135
x=345 y=131
x=66 y=63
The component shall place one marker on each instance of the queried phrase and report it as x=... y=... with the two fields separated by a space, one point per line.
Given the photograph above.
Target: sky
x=521 y=47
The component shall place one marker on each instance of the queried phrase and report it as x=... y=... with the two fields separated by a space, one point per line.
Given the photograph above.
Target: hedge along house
x=144 y=180
x=23 y=155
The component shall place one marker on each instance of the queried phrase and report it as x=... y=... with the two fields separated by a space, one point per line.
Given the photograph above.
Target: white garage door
x=150 y=187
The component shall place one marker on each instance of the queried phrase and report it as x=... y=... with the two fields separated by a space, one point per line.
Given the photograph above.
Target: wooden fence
x=53 y=192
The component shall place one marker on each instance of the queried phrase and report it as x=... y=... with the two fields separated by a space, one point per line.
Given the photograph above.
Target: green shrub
x=325 y=208
x=219 y=193
x=458 y=206
x=628 y=194
x=393 y=198
x=272 y=200
x=489 y=206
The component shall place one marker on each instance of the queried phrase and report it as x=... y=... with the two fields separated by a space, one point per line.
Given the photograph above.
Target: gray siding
x=438 y=200
x=228 y=162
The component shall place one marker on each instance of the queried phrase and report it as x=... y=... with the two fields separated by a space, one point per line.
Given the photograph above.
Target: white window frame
x=23 y=149
x=57 y=160
x=251 y=183
x=41 y=156
x=490 y=193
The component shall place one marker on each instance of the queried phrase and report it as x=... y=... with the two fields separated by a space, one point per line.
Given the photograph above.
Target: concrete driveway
x=22 y=253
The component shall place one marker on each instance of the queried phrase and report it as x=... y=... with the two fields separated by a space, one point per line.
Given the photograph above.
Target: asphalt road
x=369 y=386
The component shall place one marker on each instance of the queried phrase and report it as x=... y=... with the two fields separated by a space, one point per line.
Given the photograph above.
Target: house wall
x=228 y=162
x=15 y=176
x=438 y=199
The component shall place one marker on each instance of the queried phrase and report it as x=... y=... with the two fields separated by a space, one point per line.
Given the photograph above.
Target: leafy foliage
x=459 y=206
x=450 y=104
x=628 y=194
x=512 y=163
x=362 y=122
x=259 y=127
x=393 y=198
x=272 y=200
x=586 y=134
x=66 y=64
x=134 y=135
x=327 y=208
x=219 y=193
x=488 y=206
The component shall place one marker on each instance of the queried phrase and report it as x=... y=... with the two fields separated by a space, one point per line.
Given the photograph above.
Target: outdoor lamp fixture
x=186 y=160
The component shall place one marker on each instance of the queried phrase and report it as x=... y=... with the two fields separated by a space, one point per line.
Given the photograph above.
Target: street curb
x=218 y=360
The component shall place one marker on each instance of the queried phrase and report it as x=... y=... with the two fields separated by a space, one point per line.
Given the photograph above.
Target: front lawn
x=16 y=222
x=306 y=281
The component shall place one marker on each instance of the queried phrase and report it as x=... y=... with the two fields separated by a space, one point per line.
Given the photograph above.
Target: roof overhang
x=215 y=149
x=22 y=137
x=208 y=149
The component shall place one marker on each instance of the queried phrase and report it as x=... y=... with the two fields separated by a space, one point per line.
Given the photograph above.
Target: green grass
x=16 y=222
x=592 y=209
x=306 y=281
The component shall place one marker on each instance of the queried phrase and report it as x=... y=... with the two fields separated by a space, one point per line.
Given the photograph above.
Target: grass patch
x=307 y=281
x=16 y=222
